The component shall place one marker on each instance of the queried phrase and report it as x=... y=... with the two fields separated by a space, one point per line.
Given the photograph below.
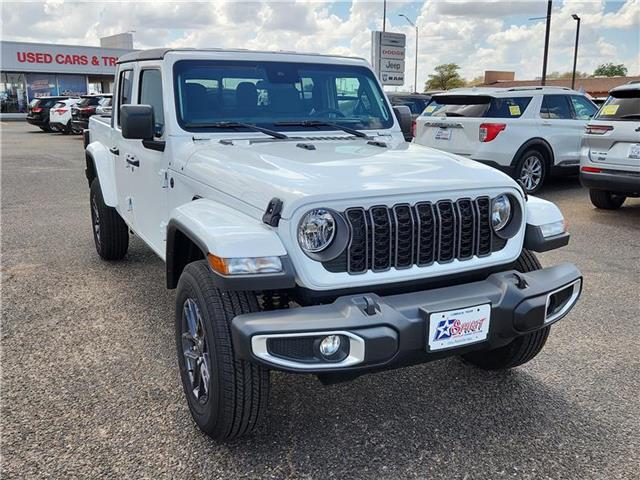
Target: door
x=559 y=127
x=150 y=171
x=123 y=169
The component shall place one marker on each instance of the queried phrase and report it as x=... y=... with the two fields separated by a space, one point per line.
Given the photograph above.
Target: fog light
x=330 y=345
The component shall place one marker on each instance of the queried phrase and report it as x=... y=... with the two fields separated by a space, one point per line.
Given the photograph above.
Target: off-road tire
x=522 y=349
x=112 y=236
x=544 y=163
x=238 y=390
x=606 y=200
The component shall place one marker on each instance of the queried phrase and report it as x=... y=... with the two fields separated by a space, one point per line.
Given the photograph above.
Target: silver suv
x=610 y=153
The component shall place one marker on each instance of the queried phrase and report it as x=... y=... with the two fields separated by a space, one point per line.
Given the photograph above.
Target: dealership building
x=32 y=70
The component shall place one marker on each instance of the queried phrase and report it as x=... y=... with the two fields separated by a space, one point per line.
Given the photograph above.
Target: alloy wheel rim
x=531 y=173
x=96 y=220
x=195 y=350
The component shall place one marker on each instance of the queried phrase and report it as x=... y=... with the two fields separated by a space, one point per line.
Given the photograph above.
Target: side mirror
x=136 y=121
x=403 y=114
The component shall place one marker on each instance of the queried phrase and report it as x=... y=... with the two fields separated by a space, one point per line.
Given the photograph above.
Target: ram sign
x=387 y=57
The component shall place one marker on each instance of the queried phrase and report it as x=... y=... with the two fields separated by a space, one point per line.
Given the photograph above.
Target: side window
x=151 y=94
x=125 y=87
x=582 y=107
x=555 y=107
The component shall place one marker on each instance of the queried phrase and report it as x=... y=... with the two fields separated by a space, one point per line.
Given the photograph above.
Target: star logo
x=444 y=329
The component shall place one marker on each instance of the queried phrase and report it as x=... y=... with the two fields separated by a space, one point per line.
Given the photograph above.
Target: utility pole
x=415 y=74
x=384 y=15
x=546 y=43
x=575 y=52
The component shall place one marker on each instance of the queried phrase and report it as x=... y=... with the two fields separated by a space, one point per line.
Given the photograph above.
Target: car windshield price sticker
x=514 y=110
x=455 y=328
x=610 y=109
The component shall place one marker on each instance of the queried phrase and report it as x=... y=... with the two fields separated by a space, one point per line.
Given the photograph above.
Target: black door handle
x=114 y=150
x=135 y=163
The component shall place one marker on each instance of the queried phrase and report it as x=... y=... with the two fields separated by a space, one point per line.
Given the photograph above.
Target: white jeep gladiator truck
x=303 y=234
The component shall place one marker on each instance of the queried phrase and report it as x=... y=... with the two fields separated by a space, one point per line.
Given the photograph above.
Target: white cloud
x=478 y=35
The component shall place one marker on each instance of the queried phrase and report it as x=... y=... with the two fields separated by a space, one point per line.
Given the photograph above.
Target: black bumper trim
x=536 y=242
x=514 y=311
x=623 y=182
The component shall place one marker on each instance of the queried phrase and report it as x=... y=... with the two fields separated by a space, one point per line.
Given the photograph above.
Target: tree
x=610 y=70
x=476 y=81
x=446 y=76
x=579 y=74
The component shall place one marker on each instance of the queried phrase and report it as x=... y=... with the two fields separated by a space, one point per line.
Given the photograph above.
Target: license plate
x=443 y=134
x=634 y=151
x=455 y=328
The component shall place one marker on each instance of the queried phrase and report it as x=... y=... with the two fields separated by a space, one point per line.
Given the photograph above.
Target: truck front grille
x=421 y=234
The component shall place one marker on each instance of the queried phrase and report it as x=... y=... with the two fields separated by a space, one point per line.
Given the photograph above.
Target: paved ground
x=90 y=386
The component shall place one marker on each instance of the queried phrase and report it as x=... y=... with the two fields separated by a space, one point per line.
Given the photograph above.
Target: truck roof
x=159 y=53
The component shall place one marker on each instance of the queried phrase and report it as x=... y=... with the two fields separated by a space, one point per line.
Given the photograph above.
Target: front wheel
x=227 y=397
x=606 y=200
x=522 y=349
x=531 y=170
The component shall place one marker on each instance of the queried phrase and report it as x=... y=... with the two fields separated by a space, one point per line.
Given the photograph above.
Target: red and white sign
x=36 y=57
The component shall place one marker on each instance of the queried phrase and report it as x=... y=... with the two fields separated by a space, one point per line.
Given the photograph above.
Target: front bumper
x=617 y=181
x=391 y=331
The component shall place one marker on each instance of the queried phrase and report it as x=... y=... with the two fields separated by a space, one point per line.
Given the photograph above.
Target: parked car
x=105 y=107
x=60 y=115
x=416 y=102
x=85 y=108
x=38 y=111
x=305 y=235
x=610 y=156
x=529 y=132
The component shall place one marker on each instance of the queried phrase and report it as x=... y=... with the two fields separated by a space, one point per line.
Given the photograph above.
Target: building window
x=72 y=85
x=41 y=85
x=13 y=93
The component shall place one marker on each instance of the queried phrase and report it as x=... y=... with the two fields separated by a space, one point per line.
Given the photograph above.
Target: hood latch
x=272 y=214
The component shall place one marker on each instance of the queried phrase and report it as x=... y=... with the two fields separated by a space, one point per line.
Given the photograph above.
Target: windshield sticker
x=431 y=108
x=514 y=109
x=610 y=109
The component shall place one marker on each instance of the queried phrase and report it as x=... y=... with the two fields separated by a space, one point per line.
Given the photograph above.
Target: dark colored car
x=416 y=102
x=85 y=108
x=38 y=112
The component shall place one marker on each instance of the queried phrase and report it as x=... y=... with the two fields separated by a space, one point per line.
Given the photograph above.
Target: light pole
x=546 y=40
x=575 y=52
x=384 y=16
x=415 y=73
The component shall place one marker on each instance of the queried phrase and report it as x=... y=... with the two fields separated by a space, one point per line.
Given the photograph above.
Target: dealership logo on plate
x=452 y=328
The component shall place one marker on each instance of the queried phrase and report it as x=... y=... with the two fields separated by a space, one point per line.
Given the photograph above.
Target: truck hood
x=338 y=169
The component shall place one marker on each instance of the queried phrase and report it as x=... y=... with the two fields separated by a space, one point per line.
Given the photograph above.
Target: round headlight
x=500 y=212
x=316 y=230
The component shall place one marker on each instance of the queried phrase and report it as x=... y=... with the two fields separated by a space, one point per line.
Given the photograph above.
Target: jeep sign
x=387 y=56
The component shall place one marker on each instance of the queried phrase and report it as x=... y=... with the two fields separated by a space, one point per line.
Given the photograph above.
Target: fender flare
x=227 y=233
x=541 y=212
x=101 y=165
x=536 y=142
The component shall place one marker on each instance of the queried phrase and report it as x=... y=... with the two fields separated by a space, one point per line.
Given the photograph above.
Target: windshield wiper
x=250 y=126
x=321 y=123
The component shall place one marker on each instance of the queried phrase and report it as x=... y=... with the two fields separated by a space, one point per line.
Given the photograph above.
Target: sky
x=477 y=35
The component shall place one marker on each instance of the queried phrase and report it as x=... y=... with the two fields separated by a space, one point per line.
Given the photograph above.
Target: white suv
x=527 y=132
x=610 y=162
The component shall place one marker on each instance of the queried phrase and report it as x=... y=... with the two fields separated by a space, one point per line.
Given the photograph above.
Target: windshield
x=477 y=106
x=415 y=104
x=89 y=101
x=269 y=93
x=624 y=106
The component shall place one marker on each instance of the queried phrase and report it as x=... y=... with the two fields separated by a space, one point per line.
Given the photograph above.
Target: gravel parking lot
x=90 y=386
